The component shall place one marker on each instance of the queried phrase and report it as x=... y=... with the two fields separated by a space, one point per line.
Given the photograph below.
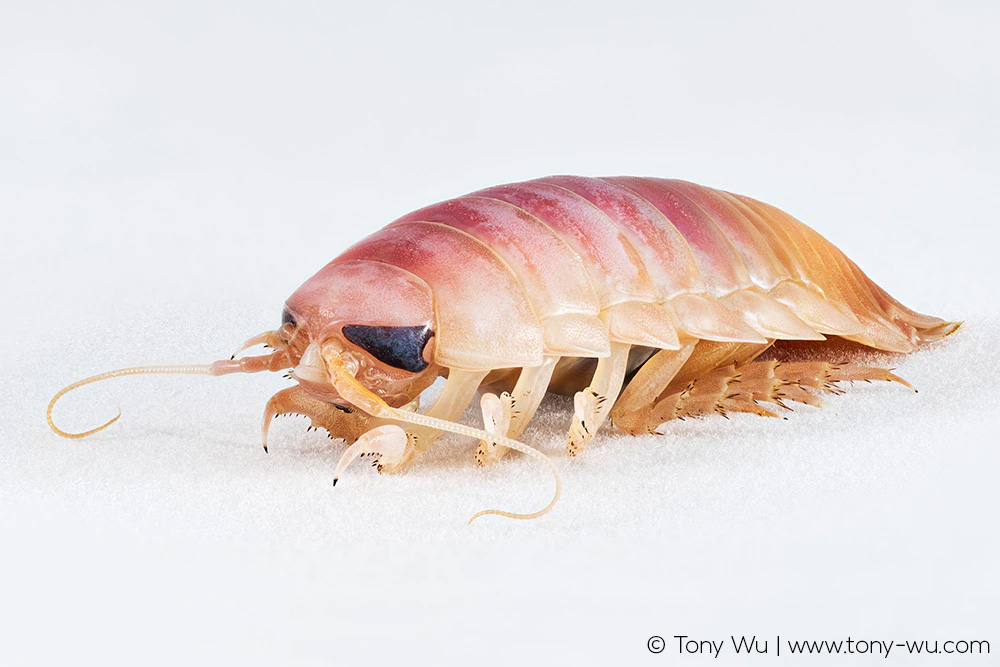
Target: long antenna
x=271 y=362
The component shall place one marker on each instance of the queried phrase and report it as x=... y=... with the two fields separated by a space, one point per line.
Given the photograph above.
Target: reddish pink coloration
x=720 y=266
x=379 y=294
x=554 y=277
x=616 y=270
x=566 y=265
x=759 y=259
x=648 y=299
x=663 y=249
x=462 y=271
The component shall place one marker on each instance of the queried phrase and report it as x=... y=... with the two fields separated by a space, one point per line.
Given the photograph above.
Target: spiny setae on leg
x=646 y=299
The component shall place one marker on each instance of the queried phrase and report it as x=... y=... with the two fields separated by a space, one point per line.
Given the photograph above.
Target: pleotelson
x=565 y=265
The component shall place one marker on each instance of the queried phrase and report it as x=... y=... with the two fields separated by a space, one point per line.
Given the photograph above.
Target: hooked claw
x=338 y=422
x=586 y=403
x=497 y=411
x=388 y=443
x=271 y=339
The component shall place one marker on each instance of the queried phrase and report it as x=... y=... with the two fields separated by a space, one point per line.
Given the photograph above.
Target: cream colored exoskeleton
x=645 y=299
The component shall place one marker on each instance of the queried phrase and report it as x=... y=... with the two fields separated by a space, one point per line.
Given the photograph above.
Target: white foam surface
x=175 y=175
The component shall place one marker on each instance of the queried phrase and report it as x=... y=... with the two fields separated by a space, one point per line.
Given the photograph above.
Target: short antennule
x=271 y=362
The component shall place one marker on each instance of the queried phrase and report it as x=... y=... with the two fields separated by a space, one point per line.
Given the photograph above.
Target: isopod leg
x=524 y=401
x=669 y=372
x=710 y=355
x=339 y=423
x=631 y=411
x=459 y=390
x=388 y=443
x=736 y=388
x=592 y=405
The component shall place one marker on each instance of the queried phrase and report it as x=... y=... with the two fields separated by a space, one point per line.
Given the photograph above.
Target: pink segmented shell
x=565 y=265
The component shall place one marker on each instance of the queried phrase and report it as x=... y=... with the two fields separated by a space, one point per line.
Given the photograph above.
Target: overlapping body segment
x=645 y=299
x=483 y=316
x=552 y=276
x=649 y=300
x=643 y=261
x=667 y=256
x=615 y=268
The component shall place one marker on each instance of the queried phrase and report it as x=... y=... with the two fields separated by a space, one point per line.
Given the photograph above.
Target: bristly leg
x=593 y=405
x=497 y=414
x=339 y=422
x=524 y=400
x=671 y=371
x=388 y=445
x=736 y=388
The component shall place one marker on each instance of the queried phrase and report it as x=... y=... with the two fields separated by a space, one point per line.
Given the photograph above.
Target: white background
x=170 y=173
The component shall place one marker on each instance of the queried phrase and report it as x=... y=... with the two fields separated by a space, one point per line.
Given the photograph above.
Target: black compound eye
x=288 y=318
x=399 y=347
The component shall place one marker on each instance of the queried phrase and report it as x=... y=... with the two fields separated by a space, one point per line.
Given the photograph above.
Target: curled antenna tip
x=73 y=436
x=134 y=370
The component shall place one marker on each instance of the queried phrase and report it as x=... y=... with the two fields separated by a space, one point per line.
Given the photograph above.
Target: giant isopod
x=645 y=299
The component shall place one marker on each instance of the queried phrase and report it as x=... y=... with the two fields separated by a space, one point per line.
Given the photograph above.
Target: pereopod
x=646 y=299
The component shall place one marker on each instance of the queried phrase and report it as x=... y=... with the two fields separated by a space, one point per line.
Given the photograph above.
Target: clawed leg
x=497 y=412
x=521 y=405
x=339 y=422
x=669 y=371
x=388 y=446
x=459 y=390
x=354 y=426
x=510 y=413
x=736 y=388
x=631 y=412
x=592 y=405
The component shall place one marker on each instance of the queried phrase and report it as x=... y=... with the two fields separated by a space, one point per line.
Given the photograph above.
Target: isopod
x=646 y=299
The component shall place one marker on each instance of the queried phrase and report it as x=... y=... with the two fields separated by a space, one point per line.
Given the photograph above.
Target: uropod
x=645 y=299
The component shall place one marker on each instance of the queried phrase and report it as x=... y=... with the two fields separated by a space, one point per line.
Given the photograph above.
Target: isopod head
x=359 y=335
x=378 y=320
